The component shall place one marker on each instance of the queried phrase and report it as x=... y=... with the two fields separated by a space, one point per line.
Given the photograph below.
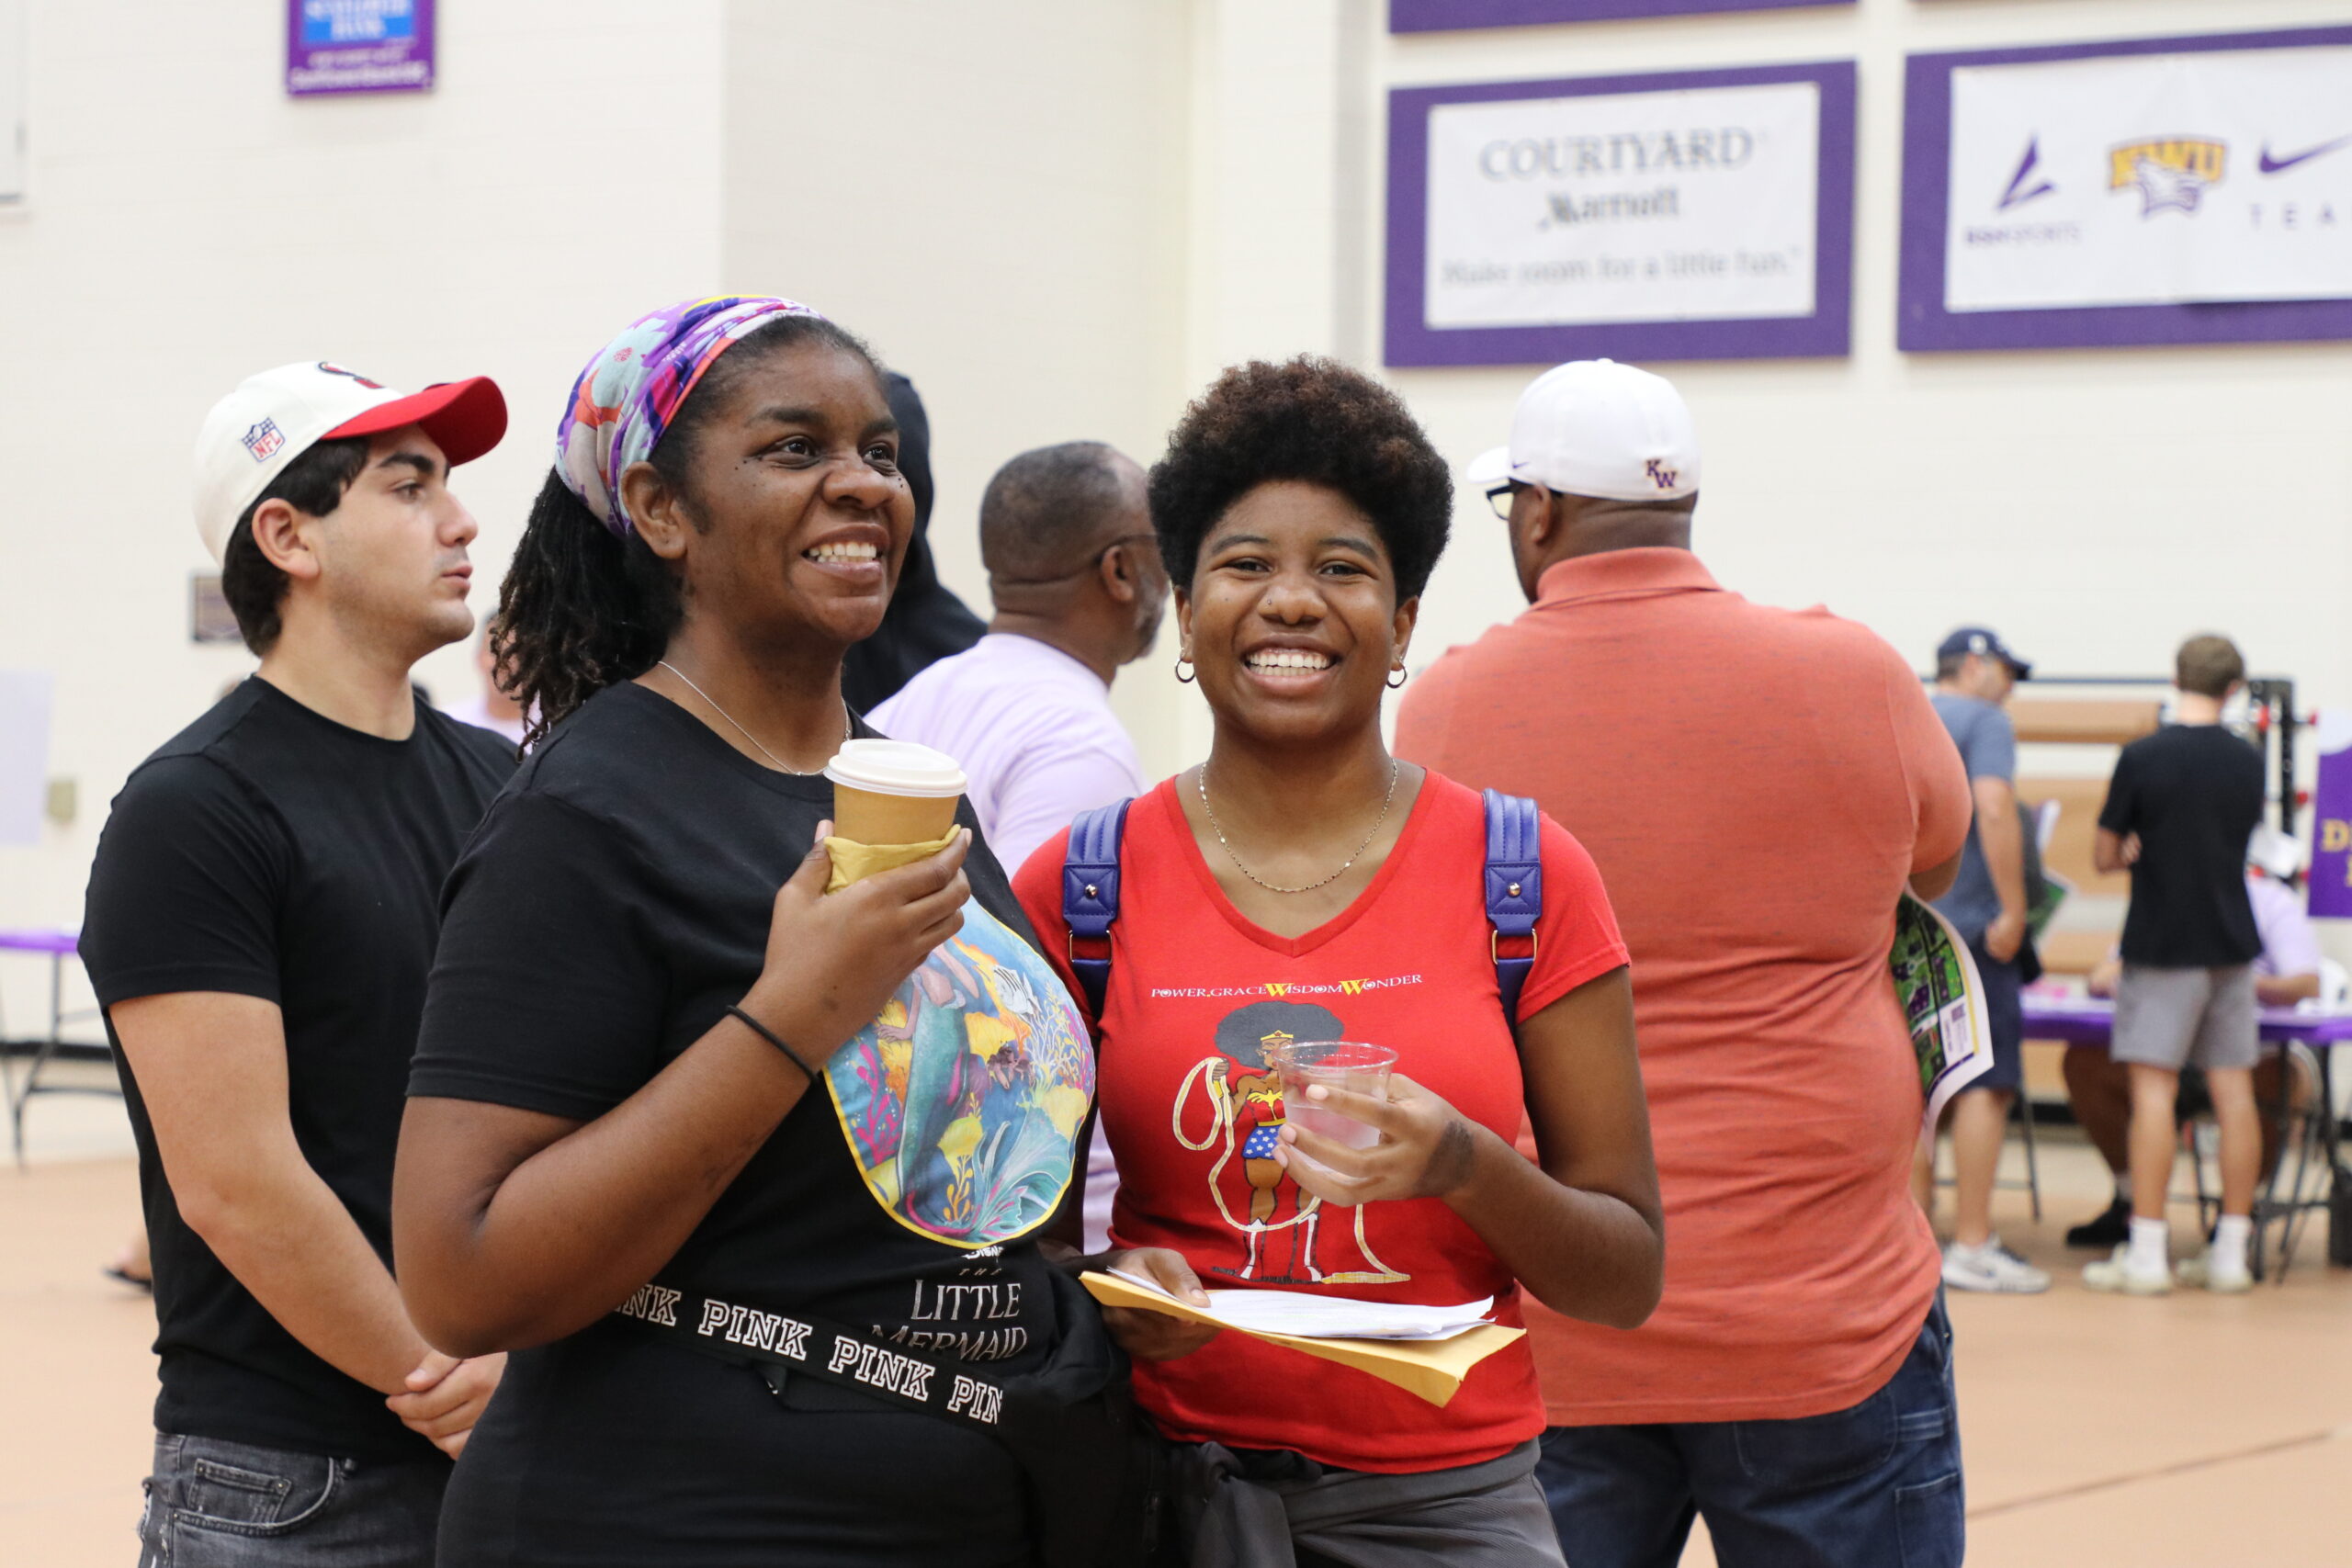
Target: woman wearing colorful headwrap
x=650 y=1082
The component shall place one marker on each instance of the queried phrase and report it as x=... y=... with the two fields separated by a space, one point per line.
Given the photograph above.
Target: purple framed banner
x=2171 y=190
x=358 y=46
x=2330 y=892
x=1691 y=215
x=1454 y=16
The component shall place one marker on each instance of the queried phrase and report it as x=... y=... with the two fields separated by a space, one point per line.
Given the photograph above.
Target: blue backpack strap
x=1514 y=891
x=1090 y=893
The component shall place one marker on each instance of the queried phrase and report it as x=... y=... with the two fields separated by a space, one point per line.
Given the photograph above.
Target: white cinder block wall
x=187 y=225
x=1061 y=217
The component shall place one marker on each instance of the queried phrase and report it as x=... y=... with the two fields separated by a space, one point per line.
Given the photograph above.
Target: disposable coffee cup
x=893 y=792
x=1336 y=1063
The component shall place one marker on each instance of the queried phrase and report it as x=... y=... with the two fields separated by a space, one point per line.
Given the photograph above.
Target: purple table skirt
x=2091 y=1021
x=61 y=944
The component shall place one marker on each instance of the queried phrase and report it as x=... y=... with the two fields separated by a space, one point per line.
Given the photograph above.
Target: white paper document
x=1310 y=1316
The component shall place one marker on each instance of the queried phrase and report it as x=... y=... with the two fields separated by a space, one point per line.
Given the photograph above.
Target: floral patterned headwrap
x=630 y=391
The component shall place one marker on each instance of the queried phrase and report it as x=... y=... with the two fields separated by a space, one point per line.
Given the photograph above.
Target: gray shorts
x=2176 y=1018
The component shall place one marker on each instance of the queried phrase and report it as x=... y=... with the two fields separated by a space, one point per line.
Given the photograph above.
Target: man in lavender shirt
x=1079 y=590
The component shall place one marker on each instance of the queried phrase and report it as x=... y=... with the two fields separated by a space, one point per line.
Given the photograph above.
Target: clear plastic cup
x=1337 y=1064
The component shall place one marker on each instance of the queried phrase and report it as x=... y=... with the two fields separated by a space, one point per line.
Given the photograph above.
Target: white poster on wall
x=12 y=101
x=1695 y=204
x=27 y=699
x=2150 y=179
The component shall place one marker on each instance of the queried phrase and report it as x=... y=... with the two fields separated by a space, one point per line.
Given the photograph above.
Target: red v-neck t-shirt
x=1196 y=991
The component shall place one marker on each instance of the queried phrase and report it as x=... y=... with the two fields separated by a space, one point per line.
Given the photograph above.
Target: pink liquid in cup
x=1339 y=1063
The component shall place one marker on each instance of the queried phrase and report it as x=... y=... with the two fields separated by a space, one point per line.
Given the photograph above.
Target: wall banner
x=2162 y=190
x=358 y=46
x=2331 y=879
x=1699 y=215
x=1453 y=15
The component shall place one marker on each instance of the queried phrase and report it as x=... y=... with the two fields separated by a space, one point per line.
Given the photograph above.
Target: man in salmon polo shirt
x=1759 y=787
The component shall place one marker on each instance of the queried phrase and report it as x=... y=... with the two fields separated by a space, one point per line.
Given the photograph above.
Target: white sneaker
x=2196 y=1271
x=1991 y=1267
x=2115 y=1272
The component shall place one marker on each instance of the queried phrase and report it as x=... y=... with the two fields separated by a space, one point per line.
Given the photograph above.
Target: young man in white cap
x=1759 y=787
x=261 y=918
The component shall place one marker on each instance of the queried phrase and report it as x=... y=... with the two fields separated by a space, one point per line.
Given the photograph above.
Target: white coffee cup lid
x=896 y=767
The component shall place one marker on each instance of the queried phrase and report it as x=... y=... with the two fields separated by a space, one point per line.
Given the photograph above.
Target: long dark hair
x=581 y=608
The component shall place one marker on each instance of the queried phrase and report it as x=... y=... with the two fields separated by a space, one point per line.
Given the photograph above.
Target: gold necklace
x=847 y=727
x=1201 y=779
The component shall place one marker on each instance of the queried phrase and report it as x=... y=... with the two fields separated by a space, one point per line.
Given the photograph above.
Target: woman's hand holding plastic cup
x=1335 y=1064
x=1425 y=1148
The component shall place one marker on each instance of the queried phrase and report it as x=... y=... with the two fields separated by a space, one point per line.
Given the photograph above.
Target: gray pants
x=215 y=1503
x=1477 y=1516
x=2176 y=1018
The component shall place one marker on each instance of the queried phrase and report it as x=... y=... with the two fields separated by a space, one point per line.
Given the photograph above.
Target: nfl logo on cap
x=264 y=440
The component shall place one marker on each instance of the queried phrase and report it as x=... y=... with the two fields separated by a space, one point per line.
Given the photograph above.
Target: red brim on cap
x=465 y=418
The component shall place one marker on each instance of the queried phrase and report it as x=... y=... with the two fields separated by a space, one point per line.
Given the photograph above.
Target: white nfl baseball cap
x=273 y=418
x=1598 y=428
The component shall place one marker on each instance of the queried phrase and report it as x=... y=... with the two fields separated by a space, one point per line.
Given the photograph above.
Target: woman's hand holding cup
x=1426 y=1147
x=833 y=960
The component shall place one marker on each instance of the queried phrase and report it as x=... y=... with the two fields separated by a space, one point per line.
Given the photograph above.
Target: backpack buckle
x=1495 y=948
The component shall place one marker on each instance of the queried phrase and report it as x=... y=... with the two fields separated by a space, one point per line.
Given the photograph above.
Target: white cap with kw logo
x=1595 y=427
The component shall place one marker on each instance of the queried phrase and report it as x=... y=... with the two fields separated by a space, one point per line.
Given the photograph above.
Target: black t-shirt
x=270 y=852
x=2194 y=795
x=616 y=900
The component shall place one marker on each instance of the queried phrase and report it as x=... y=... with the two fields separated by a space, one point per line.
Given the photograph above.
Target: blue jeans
x=1877 y=1485
x=215 y=1503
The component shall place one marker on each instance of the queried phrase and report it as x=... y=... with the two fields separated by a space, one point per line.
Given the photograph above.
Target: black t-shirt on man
x=616 y=900
x=270 y=852
x=2194 y=795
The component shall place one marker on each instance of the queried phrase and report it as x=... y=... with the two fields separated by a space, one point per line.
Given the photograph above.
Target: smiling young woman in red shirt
x=1302 y=883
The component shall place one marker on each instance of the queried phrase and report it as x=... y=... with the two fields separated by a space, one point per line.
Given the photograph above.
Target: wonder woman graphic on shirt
x=1259 y=1199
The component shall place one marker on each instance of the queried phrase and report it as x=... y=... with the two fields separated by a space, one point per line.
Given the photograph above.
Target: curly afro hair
x=1312 y=420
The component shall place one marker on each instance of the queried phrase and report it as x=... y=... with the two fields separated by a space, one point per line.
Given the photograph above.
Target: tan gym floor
x=2184 y=1432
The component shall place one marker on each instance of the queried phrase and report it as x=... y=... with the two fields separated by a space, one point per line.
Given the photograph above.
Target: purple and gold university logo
x=2170 y=171
x=1662 y=476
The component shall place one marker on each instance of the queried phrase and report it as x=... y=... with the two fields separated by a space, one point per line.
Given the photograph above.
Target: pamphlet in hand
x=1427 y=1351
x=2044 y=898
x=1943 y=1000
x=1312 y=1316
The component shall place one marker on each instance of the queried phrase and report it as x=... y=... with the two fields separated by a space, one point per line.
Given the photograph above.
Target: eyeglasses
x=1500 y=497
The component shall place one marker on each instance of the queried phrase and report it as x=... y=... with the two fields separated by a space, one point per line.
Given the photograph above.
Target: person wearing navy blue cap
x=1974 y=672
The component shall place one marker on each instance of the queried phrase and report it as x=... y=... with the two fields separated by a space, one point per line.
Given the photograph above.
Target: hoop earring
x=1181 y=660
x=1396 y=678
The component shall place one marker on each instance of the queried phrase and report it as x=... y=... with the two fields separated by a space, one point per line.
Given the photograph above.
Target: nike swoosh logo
x=2270 y=165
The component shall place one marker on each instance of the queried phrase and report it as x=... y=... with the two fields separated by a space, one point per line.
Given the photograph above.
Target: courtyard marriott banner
x=2155 y=191
x=1703 y=215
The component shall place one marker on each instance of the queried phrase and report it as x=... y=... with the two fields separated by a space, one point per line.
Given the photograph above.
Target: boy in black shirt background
x=262 y=914
x=2179 y=810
